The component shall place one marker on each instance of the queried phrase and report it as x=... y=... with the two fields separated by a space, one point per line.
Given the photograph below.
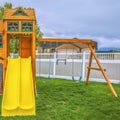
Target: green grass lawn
x=67 y=100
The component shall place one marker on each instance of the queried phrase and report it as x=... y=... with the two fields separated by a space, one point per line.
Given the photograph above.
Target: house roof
x=47 y=45
x=1 y=26
x=70 y=46
x=108 y=50
x=66 y=46
x=9 y=14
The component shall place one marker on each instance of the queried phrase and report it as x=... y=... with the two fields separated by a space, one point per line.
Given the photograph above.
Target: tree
x=1 y=12
x=38 y=34
x=6 y=5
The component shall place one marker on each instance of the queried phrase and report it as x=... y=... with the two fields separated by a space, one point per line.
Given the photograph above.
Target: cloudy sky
x=95 y=19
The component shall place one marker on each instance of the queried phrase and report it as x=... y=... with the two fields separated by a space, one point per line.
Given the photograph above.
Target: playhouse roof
x=1 y=26
x=9 y=14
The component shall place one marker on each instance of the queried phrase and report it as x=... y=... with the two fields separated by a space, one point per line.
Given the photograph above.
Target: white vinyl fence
x=62 y=65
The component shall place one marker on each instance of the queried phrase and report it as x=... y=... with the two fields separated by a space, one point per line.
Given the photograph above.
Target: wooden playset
x=21 y=24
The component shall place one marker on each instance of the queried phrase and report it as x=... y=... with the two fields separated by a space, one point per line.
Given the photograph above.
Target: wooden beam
x=64 y=40
x=19 y=32
x=93 y=68
x=103 y=72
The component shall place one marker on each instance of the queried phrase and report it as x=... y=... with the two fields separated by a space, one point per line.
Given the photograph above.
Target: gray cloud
x=103 y=42
x=77 y=17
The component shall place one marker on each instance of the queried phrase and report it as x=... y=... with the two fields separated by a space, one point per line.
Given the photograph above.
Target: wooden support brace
x=93 y=68
x=102 y=70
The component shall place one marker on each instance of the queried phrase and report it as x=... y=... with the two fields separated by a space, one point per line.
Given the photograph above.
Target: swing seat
x=64 y=60
x=80 y=78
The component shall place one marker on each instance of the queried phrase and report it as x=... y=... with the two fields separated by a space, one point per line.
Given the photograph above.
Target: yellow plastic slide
x=18 y=95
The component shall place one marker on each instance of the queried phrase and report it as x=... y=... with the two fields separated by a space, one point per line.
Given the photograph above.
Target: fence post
x=83 y=65
x=54 y=65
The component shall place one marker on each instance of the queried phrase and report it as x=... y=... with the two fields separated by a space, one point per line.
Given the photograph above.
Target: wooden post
x=34 y=56
x=88 y=73
x=5 y=52
x=103 y=72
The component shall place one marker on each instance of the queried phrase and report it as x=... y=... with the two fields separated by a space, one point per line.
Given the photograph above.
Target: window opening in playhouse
x=13 y=26
x=27 y=26
x=14 y=44
x=20 y=12
x=1 y=40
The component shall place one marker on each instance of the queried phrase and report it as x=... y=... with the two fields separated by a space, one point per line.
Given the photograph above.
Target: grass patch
x=61 y=99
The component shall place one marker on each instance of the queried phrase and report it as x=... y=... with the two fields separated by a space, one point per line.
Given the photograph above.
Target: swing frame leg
x=101 y=69
x=88 y=73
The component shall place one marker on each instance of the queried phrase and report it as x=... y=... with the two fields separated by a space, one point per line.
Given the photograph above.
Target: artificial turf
x=61 y=99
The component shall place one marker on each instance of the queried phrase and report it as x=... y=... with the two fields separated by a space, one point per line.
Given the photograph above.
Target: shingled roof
x=48 y=45
x=9 y=14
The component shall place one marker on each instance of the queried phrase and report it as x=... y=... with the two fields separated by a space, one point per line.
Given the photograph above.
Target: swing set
x=91 y=45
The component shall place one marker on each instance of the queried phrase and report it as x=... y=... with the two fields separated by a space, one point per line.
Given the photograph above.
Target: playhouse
x=20 y=22
x=18 y=74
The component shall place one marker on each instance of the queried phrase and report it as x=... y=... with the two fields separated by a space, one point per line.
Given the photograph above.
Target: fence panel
x=65 y=66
